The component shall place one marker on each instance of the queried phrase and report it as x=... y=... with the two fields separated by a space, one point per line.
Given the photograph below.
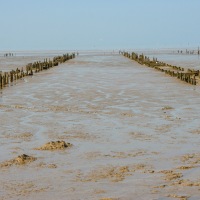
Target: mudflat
x=100 y=127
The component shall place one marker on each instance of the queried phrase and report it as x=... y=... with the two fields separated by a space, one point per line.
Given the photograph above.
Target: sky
x=98 y=24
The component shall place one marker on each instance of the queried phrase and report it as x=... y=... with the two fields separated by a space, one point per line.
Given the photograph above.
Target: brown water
x=191 y=61
x=127 y=124
x=21 y=59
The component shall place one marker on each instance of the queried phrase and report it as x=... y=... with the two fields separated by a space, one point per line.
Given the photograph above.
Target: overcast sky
x=98 y=24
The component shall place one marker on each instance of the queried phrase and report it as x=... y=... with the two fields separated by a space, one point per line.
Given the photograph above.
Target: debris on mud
x=189 y=183
x=167 y=108
x=171 y=175
x=191 y=159
x=185 y=167
x=57 y=145
x=181 y=197
x=45 y=165
x=20 y=160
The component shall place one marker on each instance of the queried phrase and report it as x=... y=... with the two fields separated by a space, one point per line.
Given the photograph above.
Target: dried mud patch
x=125 y=154
x=171 y=175
x=27 y=136
x=175 y=181
x=109 y=199
x=141 y=136
x=120 y=155
x=77 y=135
x=167 y=108
x=192 y=159
x=62 y=109
x=180 y=197
x=93 y=155
x=20 y=160
x=17 y=189
x=114 y=174
x=196 y=131
x=127 y=114
x=164 y=128
x=187 y=182
x=99 y=191
x=57 y=145
x=45 y=165
x=110 y=173
x=185 y=167
x=17 y=107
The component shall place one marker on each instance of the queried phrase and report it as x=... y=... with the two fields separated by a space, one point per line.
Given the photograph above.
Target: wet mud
x=57 y=145
x=19 y=160
x=135 y=133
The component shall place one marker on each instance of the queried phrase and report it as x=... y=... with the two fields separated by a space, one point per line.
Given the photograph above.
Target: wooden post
x=1 y=84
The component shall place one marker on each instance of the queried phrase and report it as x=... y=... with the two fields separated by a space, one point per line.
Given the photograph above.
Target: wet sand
x=134 y=133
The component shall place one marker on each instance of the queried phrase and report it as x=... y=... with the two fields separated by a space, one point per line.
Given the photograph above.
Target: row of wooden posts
x=8 y=55
x=7 y=78
x=189 y=76
x=189 y=51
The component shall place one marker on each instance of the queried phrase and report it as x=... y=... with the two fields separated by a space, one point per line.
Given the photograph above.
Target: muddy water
x=186 y=61
x=12 y=63
x=134 y=130
x=22 y=58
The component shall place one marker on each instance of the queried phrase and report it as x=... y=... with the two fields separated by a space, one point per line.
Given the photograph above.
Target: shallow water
x=116 y=113
x=181 y=60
